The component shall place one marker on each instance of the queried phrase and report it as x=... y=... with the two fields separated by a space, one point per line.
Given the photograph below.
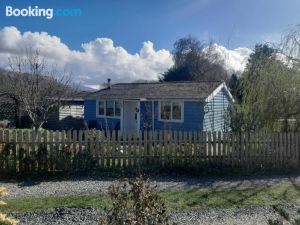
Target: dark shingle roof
x=157 y=90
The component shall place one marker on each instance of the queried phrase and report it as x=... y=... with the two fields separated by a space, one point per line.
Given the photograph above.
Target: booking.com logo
x=48 y=13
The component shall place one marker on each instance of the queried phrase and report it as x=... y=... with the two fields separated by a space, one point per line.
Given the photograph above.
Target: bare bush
x=136 y=202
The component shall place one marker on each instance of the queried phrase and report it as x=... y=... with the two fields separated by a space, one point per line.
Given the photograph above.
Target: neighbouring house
x=69 y=115
x=187 y=106
x=8 y=111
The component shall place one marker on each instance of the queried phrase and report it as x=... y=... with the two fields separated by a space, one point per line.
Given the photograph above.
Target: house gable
x=216 y=110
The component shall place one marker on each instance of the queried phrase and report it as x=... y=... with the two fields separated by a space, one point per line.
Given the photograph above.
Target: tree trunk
x=285 y=125
x=18 y=115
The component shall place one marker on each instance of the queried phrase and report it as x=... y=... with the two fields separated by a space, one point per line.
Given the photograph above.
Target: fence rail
x=31 y=151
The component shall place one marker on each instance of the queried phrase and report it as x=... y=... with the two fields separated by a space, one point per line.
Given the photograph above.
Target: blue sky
x=232 y=23
x=131 y=40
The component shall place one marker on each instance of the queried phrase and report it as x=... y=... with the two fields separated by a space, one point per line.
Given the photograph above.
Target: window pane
x=176 y=111
x=117 y=108
x=101 y=108
x=109 y=108
x=165 y=111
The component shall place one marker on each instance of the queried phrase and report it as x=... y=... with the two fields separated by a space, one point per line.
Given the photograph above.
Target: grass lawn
x=196 y=198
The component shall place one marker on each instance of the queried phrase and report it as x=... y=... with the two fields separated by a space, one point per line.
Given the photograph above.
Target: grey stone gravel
x=252 y=215
x=247 y=216
x=92 y=185
x=63 y=216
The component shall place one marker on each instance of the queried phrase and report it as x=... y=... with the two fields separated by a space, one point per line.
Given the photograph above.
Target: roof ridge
x=170 y=82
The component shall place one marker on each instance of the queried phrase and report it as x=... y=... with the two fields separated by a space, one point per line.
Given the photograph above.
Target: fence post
x=297 y=136
x=146 y=148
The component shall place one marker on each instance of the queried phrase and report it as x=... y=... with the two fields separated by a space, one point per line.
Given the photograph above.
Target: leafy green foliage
x=240 y=120
x=275 y=222
x=281 y=212
x=271 y=92
x=296 y=221
x=235 y=87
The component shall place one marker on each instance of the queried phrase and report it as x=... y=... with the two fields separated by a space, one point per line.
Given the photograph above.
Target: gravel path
x=254 y=215
x=92 y=185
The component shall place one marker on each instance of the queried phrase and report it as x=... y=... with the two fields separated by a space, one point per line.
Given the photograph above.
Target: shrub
x=296 y=221
x=4 y=220
x=136 y=202
x=281 y=212
x=275 y=222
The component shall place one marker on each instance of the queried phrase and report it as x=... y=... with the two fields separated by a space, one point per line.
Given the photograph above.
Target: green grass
x=32 y=204
x=195 y=198
x=235 y=197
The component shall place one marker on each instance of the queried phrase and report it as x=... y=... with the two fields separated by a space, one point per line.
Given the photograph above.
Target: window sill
x=170 y=121
x=108 y=117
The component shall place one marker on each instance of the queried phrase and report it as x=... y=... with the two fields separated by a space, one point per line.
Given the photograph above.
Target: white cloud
x=101 y=59
x=234 y=60
x=98 y=60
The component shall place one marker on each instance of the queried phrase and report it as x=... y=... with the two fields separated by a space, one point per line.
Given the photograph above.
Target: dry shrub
x=136 y=202
x=4 y=220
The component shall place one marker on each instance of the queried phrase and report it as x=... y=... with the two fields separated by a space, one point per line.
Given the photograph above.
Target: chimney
x=108 y=83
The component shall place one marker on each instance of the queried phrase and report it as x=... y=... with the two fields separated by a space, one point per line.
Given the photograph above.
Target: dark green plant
x=5 y=223
x=84 y=161
x=281 y=212
x=136 y=202
x=193 y=63
x=275 y=222
x=296 y=221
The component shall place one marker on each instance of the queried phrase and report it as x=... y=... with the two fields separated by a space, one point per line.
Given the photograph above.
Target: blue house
x=188 y=106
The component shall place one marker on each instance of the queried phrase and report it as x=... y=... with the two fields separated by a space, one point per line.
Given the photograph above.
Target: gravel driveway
x=92 y=185
x=254 y=215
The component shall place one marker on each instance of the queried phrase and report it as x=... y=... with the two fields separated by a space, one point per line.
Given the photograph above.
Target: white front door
x=131 y=116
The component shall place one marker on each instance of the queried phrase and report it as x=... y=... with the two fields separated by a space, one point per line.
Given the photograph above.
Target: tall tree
x=36 y=87
x=194 y=61
x=271 y=90
x=235 y=87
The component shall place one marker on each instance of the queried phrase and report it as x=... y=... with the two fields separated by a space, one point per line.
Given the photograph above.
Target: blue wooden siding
x=215 y=112
x=193 y=118
x=98 y=123
x=196 y=118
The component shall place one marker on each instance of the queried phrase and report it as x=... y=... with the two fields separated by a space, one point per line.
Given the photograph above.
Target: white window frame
x=171 y=120
x=105 y=116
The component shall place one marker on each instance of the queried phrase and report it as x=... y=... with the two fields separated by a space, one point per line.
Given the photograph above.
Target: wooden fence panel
x=26 y=151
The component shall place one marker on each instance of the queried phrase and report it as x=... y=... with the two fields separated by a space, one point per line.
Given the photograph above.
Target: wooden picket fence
x=47 y=151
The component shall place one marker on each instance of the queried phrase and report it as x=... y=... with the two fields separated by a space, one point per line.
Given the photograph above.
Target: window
x=109 y=108
x=117 y=108
x=101 y=108
x=171 y=111
x=176 y=110
x=165 y=108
